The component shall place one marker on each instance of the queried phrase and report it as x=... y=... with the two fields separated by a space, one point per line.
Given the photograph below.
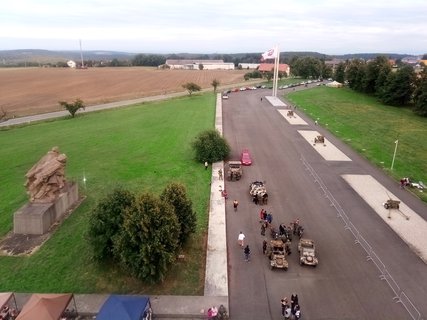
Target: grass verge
x=141 y=147
x=371 y=128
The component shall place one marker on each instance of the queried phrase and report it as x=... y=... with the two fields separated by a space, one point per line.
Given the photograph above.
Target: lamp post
x=394 y=155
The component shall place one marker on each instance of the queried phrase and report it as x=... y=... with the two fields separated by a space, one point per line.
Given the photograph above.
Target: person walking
x=247 y=252
x=294 y=301
x=263 y=227
x=241 y=239
x=235 y=205
x=220 y=174
x=264 y=247
x=284 y=304
x=206 y=165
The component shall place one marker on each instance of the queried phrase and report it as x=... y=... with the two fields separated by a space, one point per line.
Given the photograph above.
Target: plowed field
x=38 y=90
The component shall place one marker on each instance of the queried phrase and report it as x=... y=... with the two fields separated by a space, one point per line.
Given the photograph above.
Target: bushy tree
x=215 y=84
x=176 y=195
x=191 y=87
x=148 y=241
x=339 y=74
x=73 y=107
x=201 y=66
x=210 y=146
x=355 y=74
x=420 y=94
x=106 y=221
x=399 y=87
x=374 y=70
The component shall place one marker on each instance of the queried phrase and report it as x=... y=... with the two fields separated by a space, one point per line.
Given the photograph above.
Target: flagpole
x=274 y=72
x=394 y=155
x=276 y=67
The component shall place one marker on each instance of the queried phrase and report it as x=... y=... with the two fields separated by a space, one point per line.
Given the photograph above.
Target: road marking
x=327 y=150
x=412 y=231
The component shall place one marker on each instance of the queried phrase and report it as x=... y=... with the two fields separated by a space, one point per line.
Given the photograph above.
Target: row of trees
x=142 y=233
x=309 y=67
x=401 y=87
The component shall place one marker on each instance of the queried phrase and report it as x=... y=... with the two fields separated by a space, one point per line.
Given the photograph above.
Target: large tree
x=420 y=94
x=399 y=87
x=176 y=195
x=339 y=74
x=215 y=84
x=148 y=242
x=372 y=73
x=191 y=87
x=106 y=221
x=355 y=74
x=210 y=146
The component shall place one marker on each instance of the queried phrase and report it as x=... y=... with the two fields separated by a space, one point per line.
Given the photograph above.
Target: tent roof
x=45 y=307
x=4 y=298
x=123 y=307
x=334 y=84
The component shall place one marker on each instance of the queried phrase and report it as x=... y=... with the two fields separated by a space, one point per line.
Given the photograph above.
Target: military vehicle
x=234 y=170
x=307 y=252
x=319 y=139
x=277 y=255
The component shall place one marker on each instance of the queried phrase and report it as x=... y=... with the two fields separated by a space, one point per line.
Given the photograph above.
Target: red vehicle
x=245 y=157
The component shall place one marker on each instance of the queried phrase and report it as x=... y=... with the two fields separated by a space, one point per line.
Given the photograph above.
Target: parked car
x=245 y=157
x=224 y=96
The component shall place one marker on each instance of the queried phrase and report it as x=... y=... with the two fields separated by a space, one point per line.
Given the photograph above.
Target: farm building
x=194 y=64
x=248 y=65
x=267 y=67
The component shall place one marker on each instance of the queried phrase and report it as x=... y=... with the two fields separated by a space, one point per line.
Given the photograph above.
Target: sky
x=216 y=26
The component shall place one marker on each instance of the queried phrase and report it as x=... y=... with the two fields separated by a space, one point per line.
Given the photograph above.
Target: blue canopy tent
x=125 y=308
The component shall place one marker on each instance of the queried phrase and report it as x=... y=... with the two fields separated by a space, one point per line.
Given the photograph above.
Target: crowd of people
x=291 y=309
x=8 y=313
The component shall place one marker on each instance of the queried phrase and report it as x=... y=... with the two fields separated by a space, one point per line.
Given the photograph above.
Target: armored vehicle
x=307 y=252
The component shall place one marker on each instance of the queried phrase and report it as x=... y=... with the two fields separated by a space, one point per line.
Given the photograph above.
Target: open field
x=29 y=91
x=371 y=128
x=142 y=147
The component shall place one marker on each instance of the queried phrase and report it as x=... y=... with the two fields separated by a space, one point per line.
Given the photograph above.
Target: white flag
x=270 y=54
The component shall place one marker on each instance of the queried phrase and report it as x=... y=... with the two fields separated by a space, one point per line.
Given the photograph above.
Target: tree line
x=400 y=87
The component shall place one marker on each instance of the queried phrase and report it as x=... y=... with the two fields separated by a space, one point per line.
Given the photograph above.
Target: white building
x=248 y=65
x=194 y=64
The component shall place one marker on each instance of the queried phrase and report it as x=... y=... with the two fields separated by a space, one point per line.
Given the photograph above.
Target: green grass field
x=371 y=128
x=141 y=147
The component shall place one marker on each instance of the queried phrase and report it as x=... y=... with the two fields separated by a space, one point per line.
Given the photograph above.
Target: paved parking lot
x=301 y=184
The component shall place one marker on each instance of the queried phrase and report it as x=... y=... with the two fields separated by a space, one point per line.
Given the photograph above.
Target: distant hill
x=40 y=57
x=11 y=57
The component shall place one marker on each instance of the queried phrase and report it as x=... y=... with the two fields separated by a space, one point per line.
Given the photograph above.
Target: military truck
x=234 y=170
x=307 y=252
x=277 y=255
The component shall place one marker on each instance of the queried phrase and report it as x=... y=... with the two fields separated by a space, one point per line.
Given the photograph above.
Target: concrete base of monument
x=38 y=218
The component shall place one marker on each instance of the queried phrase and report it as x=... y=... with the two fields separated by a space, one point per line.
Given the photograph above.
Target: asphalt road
x=345 y=284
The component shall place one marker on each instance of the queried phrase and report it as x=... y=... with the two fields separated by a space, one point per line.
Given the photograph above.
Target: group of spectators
x=8 y=313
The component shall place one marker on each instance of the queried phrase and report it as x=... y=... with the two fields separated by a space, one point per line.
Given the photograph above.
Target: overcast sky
x=216 y=26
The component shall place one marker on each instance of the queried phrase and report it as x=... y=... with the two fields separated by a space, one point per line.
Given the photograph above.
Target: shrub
x=210 y=146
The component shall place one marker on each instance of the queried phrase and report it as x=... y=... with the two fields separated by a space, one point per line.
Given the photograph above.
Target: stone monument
x=51 y=196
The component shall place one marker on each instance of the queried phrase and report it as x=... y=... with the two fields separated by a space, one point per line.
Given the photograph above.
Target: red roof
x=283 y=67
